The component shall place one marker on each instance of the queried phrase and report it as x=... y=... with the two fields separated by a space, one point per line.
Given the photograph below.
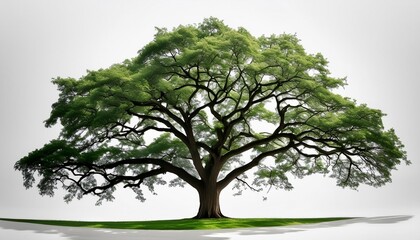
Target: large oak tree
x=222 y=106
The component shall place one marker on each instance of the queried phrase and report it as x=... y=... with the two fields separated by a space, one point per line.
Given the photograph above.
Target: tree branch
x=247 y=184
x=180 y=172
x=240 y=170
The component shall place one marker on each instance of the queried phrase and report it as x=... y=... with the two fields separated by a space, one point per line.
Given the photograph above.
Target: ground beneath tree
x=184 y=224
x=384 y=228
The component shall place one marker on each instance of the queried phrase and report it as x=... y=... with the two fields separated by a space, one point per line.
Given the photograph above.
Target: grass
x=184 y=224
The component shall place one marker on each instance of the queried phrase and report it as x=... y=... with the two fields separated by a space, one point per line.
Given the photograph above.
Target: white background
x=375 y=43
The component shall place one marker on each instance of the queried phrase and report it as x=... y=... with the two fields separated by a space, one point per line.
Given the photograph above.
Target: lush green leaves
x=197 y=100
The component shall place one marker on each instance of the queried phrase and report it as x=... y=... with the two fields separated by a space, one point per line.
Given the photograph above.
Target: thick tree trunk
x=209 y=202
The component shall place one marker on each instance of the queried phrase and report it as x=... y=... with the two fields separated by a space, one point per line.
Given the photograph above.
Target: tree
x=223 y=106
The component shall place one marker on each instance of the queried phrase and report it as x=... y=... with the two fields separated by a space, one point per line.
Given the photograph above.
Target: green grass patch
x=184 y=224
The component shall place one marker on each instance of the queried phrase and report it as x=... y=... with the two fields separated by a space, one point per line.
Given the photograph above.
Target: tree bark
x=209 y=201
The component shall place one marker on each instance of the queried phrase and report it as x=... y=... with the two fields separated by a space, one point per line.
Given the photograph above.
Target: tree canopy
x=221 y=106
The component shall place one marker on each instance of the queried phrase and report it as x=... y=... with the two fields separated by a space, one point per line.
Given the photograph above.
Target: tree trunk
x=209 y=202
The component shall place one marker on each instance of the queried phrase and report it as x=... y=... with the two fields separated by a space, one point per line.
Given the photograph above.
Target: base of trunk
x=212 y=211
x=213 y=215
x=209 y=203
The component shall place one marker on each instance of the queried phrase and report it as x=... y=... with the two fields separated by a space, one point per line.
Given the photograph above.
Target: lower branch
x=247 y=184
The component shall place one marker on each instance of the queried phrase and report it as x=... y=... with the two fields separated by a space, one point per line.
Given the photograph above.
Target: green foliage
x=203 y=92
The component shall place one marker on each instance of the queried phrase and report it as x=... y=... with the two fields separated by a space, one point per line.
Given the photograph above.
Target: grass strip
x=184 y=224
